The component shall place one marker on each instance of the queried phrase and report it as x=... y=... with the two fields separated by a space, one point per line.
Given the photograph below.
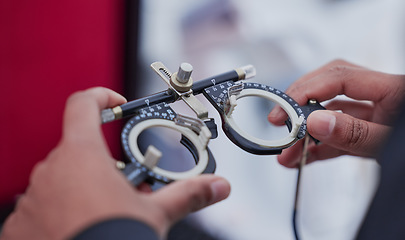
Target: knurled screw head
x=184 y=73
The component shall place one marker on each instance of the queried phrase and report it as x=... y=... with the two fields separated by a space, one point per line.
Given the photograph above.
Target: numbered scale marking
x=162 y=115
x=223 y=96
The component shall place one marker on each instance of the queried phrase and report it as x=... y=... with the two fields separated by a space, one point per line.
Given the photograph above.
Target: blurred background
x=283 y=40
x=50 y=49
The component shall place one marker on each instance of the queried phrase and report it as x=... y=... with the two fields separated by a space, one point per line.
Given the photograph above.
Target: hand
x=78 y=184
x=362 y=127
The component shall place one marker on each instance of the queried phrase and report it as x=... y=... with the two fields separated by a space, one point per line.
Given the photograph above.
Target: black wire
x=297 y=188
x=294 y=219
x=295 y=210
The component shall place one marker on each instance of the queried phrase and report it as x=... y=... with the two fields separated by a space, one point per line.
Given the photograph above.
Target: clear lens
x=250 y=115
x=175 y=156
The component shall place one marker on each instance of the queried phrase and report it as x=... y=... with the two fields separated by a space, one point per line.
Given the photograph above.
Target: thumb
x=346 y=133
x=182 y=197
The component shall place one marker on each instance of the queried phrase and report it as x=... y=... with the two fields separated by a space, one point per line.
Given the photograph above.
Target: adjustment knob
x=184 y=73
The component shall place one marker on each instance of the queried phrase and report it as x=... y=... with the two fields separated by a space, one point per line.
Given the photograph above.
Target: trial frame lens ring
x=296 y=120
x=202 y=152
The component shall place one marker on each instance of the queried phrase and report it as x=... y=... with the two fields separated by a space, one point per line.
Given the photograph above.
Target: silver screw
x=184 y=73
x=312 y=101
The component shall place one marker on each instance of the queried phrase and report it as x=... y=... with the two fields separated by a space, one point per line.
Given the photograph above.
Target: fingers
x=278 y=116
x=339 y=134
x=290 y=157
x=361 y=110
x=346 y=133
x=144 y=187
x=352 y=82
x=82 y=112
x=322 y=152
x=185 y=196
x=339 y=78
x=337 y=62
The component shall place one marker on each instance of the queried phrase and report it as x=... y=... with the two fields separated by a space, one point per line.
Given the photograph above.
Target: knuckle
x=340 y=70
x=74 y=97
x=356 y=134
x=83 y=94
x=342 y=73
x=96 y=91
x=38 y=170
x=338 y=61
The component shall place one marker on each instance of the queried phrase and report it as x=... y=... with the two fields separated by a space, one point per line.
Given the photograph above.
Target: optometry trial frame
x=223 y=92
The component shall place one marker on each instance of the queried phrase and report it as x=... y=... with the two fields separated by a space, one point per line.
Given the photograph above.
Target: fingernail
x=322 y=123
x=220 y=190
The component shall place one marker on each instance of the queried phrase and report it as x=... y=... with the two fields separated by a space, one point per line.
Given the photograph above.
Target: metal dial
x=162 y=115
x=223 y=96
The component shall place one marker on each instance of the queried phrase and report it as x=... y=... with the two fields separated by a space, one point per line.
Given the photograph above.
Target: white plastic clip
x=152 y=157
x=231 y=104
x=233 y=91
x=297 y=125
x=196 y=125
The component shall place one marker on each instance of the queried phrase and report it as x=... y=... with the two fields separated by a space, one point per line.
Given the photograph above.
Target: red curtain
x=48 y=50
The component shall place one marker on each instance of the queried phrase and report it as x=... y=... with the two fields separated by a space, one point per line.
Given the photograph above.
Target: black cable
x=294 y=219
x=295 y=210
x=297 y=188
